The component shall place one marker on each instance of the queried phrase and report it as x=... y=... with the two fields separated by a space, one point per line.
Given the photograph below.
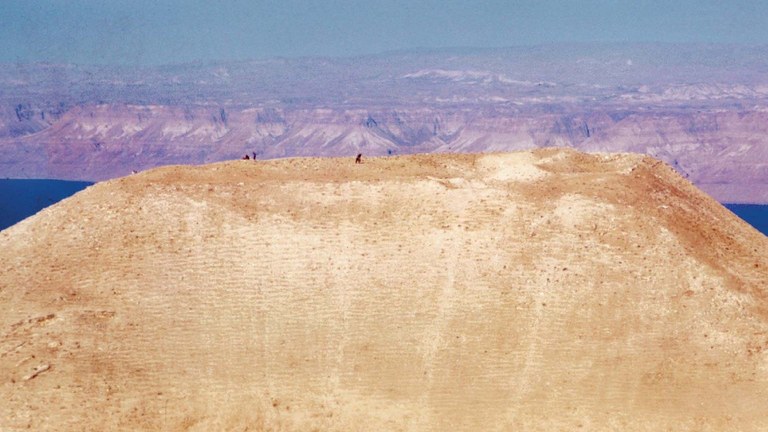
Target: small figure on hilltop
x=359 y=158
x=246 y=157
x=254 y=155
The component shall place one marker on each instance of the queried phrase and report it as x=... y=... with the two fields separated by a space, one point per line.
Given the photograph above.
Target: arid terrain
x=703 y=109
x=531 y=291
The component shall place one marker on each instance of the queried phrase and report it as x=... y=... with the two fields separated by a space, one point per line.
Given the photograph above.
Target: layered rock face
x=723 y=152
x=545 y=290
x=702 y=109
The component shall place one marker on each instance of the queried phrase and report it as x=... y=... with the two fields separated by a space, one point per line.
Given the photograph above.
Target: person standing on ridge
x=359 y=158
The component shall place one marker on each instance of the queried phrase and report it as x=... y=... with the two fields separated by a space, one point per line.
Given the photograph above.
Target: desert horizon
x=699 y=107
x=426 y=216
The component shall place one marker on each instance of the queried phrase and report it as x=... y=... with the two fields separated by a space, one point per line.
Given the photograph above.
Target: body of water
x=755 y=215
x=20 y=199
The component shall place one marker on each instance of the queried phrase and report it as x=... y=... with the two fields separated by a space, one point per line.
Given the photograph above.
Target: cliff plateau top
x=543 y=290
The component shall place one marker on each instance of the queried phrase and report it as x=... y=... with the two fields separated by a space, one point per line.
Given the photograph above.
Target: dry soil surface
x=546 y=290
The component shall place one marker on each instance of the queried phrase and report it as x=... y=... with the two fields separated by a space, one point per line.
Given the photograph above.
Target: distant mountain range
x=701 y=108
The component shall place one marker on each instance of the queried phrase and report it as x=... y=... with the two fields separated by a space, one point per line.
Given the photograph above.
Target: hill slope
x=541 y=290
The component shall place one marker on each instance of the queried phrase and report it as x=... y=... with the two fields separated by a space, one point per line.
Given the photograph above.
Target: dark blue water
x=755 y=215
x=20 y=199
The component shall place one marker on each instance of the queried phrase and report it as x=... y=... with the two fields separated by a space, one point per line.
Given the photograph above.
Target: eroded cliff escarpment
x=724 y=152
x=700 y=108
x=529 y=291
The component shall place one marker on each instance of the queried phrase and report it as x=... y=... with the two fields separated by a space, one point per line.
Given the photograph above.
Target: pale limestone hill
x=545 y=290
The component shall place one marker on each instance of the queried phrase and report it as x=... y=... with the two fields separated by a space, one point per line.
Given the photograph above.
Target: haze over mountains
x=701 y=108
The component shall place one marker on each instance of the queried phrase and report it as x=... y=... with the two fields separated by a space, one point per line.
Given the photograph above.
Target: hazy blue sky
x=172 y=31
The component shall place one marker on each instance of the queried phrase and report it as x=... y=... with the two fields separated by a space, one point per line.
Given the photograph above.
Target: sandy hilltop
x=542 y=290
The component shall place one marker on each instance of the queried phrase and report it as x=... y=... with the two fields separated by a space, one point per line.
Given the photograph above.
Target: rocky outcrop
x=546 y=290
x=21 y=119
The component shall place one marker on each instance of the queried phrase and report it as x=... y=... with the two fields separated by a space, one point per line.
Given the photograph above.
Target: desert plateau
x=536 y=290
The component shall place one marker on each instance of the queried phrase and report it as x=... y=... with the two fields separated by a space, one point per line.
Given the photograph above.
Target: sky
x=152 y=32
